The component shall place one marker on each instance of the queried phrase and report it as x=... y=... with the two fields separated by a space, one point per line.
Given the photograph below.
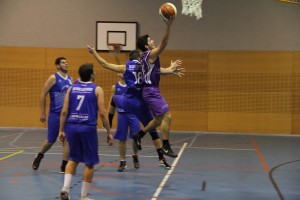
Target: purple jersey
x=134 y=78
x=83 y=107
x=151 y=70
x=120 y=90
x=58 y=92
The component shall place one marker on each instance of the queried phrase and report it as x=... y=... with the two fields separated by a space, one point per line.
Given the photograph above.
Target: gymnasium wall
x=222 y=91
x=235 y=25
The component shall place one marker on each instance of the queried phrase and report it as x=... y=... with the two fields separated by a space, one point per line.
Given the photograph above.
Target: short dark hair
x=57 y=61
x=86 y=71
x=142 y=41
x=134 y=55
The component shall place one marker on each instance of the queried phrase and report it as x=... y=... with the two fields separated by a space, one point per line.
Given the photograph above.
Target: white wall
x=226 y=24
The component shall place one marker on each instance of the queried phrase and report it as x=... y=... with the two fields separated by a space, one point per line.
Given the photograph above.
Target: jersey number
x=138 y=77
x=81 y=98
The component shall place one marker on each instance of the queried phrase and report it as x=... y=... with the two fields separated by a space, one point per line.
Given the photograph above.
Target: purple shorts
x=53 y=127
x=126 y=123
x=156 y=102
x=83 y=143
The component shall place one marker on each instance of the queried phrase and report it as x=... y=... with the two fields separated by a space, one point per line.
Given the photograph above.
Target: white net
x=192 y=8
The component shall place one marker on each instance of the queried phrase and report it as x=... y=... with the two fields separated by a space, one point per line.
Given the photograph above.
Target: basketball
x=167 y=11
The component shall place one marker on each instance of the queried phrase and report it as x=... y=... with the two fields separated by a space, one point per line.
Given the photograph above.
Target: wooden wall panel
x=296 y=95
x=22 y=57
x=222 y=91
x=249 y=122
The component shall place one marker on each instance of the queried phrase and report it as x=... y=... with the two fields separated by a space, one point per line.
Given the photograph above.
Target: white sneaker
x=86 y=198
x=65 y=194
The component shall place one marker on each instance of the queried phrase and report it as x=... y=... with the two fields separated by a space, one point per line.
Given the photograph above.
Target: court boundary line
x=11 y=155
x=167 y=176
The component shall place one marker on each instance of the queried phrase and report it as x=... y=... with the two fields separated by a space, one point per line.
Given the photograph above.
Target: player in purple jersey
x=151 y=93
x=56 y=86
x=127 y=124
x=132 y=101
x=78 y=122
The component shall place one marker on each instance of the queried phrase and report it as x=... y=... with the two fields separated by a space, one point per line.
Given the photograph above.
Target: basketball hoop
x=192 y=8
x=115 y=48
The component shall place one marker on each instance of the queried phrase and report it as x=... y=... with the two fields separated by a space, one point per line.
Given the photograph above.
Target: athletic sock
x=85 y=188
x=166 y=142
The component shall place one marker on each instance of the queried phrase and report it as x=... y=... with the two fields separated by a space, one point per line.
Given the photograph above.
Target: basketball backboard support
x=110 y=32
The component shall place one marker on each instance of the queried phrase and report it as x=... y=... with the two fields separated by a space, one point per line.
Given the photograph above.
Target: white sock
x=85 y=188
x=67 y=181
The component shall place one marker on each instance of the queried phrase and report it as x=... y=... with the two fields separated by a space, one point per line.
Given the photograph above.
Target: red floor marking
x=260 y=155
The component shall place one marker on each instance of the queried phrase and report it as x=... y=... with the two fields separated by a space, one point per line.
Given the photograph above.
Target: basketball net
x=115 y=49
x=192 y=8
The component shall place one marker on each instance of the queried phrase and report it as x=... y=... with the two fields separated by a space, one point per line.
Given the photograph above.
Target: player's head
x=145 y=43
x=86 y=72
x=135 y=55
x=61 y=64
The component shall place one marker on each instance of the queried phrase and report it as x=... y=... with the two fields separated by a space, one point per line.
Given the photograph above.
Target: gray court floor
x=210 y=166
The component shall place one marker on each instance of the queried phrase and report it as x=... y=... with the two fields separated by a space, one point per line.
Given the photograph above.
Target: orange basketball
x=167 y=11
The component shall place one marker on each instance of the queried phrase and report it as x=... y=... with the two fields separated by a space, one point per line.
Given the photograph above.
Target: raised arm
x=162 y=45
x=104 y=63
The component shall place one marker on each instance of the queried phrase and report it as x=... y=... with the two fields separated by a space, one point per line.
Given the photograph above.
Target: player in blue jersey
x=151 y=93
x=78 y=122
x=127 y=124
x=132 y=101
x=56 y=86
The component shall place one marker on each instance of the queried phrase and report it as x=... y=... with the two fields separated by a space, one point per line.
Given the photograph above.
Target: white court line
x=167 y=176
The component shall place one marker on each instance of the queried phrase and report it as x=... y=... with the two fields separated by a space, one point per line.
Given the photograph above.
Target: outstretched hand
x=91 y=48
x=176 y=68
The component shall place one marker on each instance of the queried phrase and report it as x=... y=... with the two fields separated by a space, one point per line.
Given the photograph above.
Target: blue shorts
x=126 y=122
x=53 y=127
x=134 y=105
x=157 y=103
x=83 y=143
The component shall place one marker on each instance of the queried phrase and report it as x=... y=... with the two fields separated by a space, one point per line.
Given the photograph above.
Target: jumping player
x=151 y=93
x=132 y=101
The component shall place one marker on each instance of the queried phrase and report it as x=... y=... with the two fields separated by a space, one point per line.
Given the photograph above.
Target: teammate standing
x=127 y=124
x=84 y=100
x=56 y=85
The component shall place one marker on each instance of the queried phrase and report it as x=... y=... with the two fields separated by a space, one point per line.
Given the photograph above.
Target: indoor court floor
x=210 y=166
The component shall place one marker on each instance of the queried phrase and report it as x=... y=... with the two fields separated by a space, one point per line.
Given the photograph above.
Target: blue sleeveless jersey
x=134 y=78
x=83 y=107
x=120 y=90
x=58 y=92
x=151 y=70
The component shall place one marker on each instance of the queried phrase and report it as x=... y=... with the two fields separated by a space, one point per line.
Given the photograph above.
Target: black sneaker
x=136 y=162
x=37 y=161
x=163 y=163
x=62 y=169
x=166 y=150
x=137 y=140
x=122 y=166
x=64 y=194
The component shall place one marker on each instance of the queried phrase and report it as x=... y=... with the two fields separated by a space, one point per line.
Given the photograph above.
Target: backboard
x=110 y=32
